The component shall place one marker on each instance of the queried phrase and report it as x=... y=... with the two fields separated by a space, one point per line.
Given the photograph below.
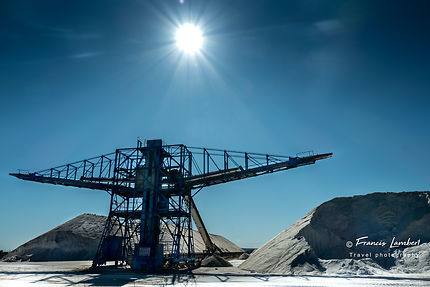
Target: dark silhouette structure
x=152 y=187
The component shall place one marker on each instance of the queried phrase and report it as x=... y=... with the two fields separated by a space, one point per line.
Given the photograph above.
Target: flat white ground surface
x=73 y=273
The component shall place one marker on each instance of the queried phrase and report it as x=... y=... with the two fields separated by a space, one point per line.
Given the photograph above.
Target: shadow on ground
x=115 y=278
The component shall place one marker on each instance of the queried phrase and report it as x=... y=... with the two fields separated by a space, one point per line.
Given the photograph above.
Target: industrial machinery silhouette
x=152 y=187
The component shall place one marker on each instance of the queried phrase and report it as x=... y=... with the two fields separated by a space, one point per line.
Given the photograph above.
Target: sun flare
x=189 y=38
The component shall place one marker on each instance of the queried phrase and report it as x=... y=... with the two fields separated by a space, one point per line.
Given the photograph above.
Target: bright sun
x=189 y=38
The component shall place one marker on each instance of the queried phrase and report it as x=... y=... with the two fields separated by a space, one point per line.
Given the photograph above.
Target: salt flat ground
x=73 y=273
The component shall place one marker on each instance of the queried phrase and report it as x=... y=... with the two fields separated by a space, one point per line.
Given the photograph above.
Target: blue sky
x=81 y=78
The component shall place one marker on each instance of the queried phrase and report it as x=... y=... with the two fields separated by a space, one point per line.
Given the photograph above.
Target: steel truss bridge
x=152 y=187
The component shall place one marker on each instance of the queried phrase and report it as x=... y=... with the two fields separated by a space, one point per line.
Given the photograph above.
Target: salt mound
x=221 y=242
x=317 y=243
x=215 y=261
x=78 y=239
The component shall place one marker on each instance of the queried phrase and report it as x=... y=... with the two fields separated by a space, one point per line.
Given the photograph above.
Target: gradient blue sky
x=81 y=78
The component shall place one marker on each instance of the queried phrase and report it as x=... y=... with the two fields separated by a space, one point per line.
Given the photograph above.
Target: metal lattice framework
x=151 y=188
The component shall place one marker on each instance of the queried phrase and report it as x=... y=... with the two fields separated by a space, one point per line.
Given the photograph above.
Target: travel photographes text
x=394 y=243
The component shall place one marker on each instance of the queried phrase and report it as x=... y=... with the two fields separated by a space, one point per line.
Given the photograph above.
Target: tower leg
x=148 y=254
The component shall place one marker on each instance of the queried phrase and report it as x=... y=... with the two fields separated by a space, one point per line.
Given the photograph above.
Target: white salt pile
x=78 y=239
x=215 y=260
x=352 y=235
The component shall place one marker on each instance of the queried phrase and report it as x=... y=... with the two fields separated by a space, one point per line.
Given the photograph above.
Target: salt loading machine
x=152 y=187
